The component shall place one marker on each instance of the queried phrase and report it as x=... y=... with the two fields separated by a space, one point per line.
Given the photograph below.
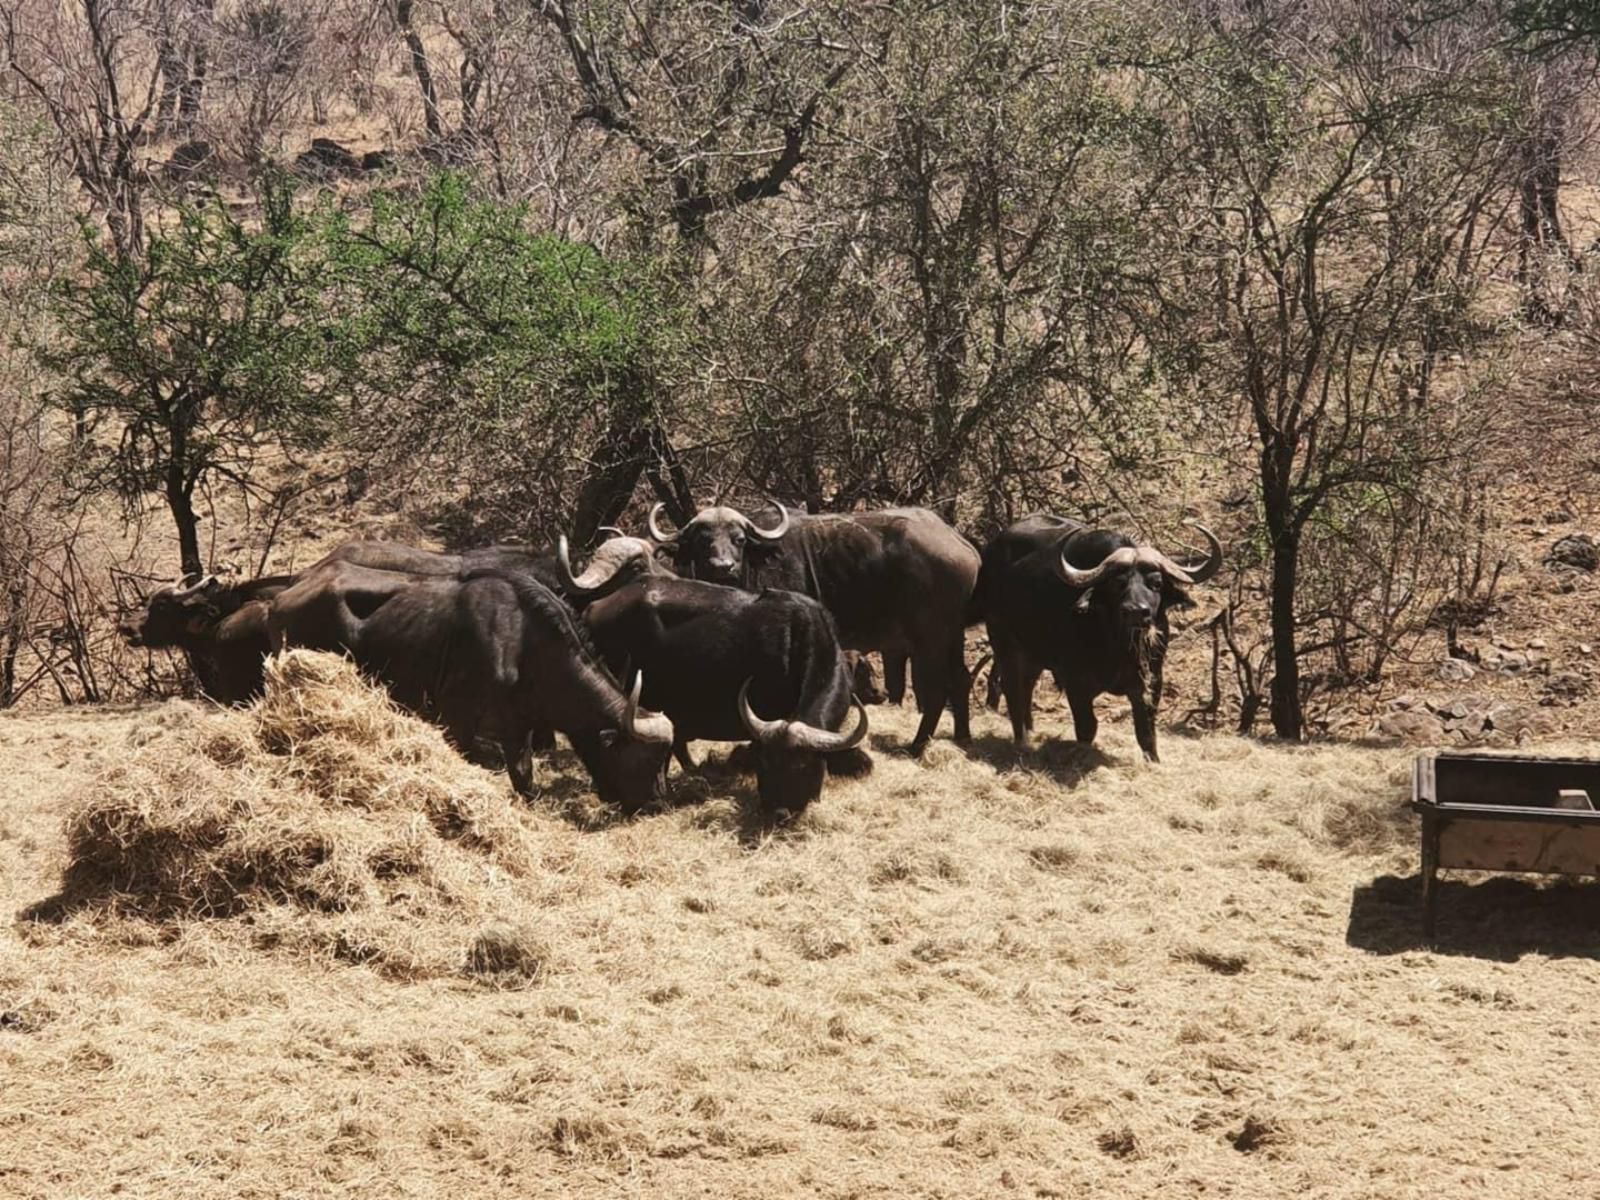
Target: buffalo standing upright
x=897 y=581
x=1091 y=607
x=715 y=656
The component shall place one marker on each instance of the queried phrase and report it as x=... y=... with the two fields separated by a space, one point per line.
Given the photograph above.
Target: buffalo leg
x=1144 y=728
x=960 y=690
x=894 y=678
x=1018 y=676
x=1084 y=723
x=930 y=680
x=992 y=694
x=517 y=750
x=680 y=751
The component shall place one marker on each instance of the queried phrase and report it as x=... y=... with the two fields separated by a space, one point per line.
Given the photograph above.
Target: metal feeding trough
x=1485 y=812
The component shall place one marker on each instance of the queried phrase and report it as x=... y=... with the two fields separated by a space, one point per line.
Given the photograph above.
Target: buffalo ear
x=1085 y=602
x=1173 y=597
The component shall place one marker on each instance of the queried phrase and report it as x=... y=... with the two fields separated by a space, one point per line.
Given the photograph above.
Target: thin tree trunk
x=180 y=500
x=172 y=80
x=420 y=68
x=192 y=94
x=1287 y=720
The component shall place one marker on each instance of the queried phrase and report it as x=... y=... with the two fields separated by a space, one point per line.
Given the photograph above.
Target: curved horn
x=777 y=531
x=1151 y=557
x=653 y=727
x=1201 y=572
x=655 y=527
x=797 y=735
x=564 y=561
x=205 y=581
x=612 y=530
x=1079 y=578
x=592 y=580
x=759 y=730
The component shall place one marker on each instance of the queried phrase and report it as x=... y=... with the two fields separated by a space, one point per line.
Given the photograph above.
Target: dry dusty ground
x=1064 y=975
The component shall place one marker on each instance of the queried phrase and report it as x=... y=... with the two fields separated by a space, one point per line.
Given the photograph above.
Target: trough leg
x=1430 y=878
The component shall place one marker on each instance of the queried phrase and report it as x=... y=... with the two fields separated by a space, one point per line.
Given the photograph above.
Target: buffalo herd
x=724 y=629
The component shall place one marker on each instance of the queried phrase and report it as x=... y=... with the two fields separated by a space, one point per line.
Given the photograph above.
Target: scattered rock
x=1454 y=670
x=1345 y=721
x=1576 y=550
x=1505 y=662
x=1566 y=687
x=1522 y=720
x=1403 y=703
x=1413 y=728
x=1558 y=516
x=1585 y=648
x=1536 y=643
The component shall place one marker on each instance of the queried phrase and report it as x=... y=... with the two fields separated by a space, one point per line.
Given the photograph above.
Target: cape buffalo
x=1091 y=607
x=221 y=629
x=614 y=562
x=716 y=656
x=492 y=647
x=897 y=581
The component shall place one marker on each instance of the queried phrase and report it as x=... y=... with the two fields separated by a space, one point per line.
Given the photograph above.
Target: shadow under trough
x=1500 y=917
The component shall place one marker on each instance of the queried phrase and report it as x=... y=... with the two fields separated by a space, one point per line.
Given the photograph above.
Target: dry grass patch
x=322 y=798
x=1064 y=973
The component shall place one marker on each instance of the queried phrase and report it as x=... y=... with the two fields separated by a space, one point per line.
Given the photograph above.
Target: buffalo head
x=717 y=543
x=627 y=763
x=1134 y=585
x=173 y=614
x=614 y=562
x=790 y=765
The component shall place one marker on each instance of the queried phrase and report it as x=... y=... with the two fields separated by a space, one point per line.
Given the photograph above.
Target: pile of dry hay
x=320 y=810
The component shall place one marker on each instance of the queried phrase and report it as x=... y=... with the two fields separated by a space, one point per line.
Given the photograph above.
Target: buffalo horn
x=1081 y=578
x=777 y=531
x=797 y=735
x=205 y=581
x=1200 y=572
x=1149 y=556
x=582 y=585
x=655 y=527
x=653 y=727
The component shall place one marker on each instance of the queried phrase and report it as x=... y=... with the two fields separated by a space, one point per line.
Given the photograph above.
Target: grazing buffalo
x=221 y=629
x=898 y=581
x=716 y=657
x=1091 y=607
x=492 y=648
